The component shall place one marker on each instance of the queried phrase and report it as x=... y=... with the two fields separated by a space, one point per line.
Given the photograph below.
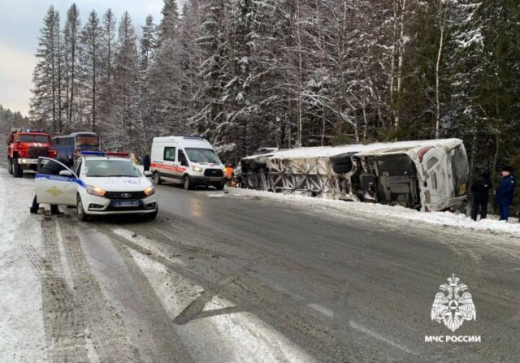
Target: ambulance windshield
x=202 y=156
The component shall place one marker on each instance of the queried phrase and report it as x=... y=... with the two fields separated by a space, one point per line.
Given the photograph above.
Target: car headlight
x=149 y=191
x=197 y=169
x=95 y=191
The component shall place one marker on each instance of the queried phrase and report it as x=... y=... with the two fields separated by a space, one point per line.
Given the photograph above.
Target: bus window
x=87 y=140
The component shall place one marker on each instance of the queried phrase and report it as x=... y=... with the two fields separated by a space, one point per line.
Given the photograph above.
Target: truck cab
x=24 y=149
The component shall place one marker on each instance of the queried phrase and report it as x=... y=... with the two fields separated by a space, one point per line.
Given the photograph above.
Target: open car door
x=56 y=189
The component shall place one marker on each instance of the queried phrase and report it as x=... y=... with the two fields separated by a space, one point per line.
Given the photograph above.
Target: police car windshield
x=202 y=156
x=111 y=168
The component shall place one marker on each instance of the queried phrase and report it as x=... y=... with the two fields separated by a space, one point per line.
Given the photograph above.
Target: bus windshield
x=202 y=156
x=87 y=140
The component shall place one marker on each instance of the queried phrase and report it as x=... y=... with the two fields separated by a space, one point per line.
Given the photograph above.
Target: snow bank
x=386 y=212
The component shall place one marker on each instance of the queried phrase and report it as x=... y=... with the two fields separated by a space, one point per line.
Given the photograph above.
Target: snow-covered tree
x=71 y=63
x=91 y=64
x=46 y=101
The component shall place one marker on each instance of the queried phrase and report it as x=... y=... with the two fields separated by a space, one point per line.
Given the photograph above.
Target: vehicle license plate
x=126 y=203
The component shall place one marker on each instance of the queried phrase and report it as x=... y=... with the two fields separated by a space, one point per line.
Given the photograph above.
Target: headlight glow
x=95 y=191
x=149 y=191
x=197 y=169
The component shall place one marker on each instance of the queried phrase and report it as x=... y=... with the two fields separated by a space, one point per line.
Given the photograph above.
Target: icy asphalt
x=241 y=278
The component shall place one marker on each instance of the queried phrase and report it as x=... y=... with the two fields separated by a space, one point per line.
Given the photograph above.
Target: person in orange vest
x=229 y=173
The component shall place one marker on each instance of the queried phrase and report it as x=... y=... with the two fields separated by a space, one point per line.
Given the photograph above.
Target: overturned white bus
x=429 y=175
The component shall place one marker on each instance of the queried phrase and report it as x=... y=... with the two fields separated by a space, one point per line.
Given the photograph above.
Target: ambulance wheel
x=157 y=178
x=17 y=171
x=186 y=182
x=82 y=216
x=10 y=166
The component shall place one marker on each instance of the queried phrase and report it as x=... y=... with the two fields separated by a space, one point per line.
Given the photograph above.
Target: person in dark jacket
x=146 y=163
x=50 y=168
x=480 y=190
x=505 y=192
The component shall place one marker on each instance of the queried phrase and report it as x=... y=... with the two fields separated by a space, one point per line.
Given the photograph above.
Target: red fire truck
x=24 y=148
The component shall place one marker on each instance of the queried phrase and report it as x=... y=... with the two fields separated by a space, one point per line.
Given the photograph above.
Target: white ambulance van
x=190 y=160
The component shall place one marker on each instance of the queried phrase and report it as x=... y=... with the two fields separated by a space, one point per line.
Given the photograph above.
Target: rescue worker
x=480 y=190
x=505 y=192
x=146 y=163
x=50 y=168
x=229 y=170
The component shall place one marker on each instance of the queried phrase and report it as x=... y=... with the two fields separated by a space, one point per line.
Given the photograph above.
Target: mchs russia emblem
x=454 y=305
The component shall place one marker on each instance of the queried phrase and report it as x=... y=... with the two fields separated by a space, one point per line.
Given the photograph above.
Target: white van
x=190 y=160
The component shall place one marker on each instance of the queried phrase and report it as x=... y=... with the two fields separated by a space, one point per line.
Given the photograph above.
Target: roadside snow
x=386 y=212
x=21 y=321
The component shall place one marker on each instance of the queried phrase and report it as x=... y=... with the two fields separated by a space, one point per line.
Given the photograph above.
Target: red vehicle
x=24 y=148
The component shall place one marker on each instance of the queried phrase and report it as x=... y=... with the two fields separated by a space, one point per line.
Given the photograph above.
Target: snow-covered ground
x=21 y=320
x=33 y=330
x=379 y=211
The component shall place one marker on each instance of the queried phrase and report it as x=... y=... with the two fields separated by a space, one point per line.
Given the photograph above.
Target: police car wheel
x=157 y=179
x=186 y=182
x=82 y=216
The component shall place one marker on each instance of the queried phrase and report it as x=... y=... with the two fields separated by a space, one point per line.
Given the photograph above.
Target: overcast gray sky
x=20 y=23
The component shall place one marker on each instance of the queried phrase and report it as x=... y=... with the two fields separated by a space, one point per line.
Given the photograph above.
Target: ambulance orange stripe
x=168 y=167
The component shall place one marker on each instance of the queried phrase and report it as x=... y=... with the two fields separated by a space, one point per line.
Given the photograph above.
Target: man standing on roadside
x=505 y=192
x=480 y=190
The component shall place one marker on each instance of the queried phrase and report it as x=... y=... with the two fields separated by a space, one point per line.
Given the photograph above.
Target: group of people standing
x=503 y=198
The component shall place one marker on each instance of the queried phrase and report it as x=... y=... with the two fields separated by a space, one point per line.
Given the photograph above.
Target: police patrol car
x=98 y=184
x=187 y=160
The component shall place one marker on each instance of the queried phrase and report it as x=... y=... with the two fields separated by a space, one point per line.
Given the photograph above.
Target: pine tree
x=71 y=62
x=165 y=72
x=170 y=21
x=212 y=72
x=147 y=44
x=124 y=120
x=91 y=62
x=106 y=69
x=45 y=103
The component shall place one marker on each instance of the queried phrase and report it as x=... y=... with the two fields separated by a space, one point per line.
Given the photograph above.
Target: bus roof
x=74 y=134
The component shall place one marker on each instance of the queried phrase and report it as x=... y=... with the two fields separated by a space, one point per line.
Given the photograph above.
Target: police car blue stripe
x=61 y=178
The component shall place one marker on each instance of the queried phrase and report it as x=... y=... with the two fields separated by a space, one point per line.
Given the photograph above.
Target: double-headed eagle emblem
x=452 y=308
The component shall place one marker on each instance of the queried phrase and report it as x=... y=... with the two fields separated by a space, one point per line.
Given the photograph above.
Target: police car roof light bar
x=92 y=153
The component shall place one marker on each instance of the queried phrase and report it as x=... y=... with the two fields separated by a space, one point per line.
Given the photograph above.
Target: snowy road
x=245 y=278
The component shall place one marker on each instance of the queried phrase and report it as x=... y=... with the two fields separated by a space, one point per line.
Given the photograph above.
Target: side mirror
x=148 y=174
x=66 y=173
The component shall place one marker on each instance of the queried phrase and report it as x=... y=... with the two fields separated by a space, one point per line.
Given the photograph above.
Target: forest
x=287 y=73
x=11 y=120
